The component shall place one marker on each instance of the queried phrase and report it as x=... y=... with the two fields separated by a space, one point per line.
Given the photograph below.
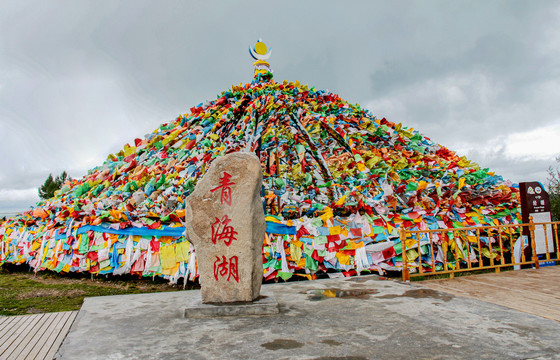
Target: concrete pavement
x=347 y=318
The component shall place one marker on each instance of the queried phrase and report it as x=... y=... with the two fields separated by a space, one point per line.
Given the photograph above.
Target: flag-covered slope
x=338 y=183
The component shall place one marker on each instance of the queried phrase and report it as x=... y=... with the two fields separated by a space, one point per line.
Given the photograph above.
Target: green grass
x=22 y=292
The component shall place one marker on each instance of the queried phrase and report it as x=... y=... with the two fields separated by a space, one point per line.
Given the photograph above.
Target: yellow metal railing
x=449 y=251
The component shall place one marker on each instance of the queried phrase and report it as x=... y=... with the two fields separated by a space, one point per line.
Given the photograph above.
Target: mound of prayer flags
x=338 y=184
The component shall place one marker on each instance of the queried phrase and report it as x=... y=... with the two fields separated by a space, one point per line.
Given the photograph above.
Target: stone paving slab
x=349 y=318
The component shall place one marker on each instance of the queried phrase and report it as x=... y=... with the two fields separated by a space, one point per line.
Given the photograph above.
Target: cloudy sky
x=79 y=79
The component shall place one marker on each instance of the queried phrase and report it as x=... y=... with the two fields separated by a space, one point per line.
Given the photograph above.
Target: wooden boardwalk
x=34 y=336
x=532 y=291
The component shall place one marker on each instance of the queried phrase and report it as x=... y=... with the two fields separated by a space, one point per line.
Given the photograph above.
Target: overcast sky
x=79 y=79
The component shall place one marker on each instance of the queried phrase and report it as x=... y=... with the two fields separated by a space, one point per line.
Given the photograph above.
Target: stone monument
x=225 y=222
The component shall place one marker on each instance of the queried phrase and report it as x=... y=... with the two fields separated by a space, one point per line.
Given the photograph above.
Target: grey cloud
x=78 y=80
x=513 y=169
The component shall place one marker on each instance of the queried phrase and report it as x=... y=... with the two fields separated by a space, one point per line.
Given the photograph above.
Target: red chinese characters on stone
x=222 y=231
x=226 y=189
x=222 y=268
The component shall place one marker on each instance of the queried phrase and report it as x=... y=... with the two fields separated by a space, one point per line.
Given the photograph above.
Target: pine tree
x=46 y=191
x=61 y=179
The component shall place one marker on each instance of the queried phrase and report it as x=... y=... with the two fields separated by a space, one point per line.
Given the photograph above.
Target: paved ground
x=532 y=291
x=370 y=319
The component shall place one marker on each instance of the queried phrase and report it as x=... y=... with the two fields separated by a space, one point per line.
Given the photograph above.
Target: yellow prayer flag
x=341 y=200
x=167 y=256
x=182 y=251
x=327 y=215
x=335 y=230
x=295 y=253
x=343 y=259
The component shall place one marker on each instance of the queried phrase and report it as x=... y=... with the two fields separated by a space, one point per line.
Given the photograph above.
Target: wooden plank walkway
x=532 y=291
x=34 y=336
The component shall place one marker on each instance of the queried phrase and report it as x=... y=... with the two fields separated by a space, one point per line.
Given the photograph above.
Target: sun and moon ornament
x=262 y=69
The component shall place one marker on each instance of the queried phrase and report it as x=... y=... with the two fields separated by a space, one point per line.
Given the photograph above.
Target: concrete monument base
x=266 y=304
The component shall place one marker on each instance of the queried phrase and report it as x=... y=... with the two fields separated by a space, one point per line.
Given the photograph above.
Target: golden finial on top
x=260 y=53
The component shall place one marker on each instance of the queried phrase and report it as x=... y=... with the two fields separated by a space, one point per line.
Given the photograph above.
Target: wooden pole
x=557 y=248
x=480 y=261
x=535 y=258
x=420 y=270
x=405 y=273
x=432 y=251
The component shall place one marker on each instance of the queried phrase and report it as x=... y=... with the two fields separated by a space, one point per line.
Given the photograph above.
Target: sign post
x=535 y=203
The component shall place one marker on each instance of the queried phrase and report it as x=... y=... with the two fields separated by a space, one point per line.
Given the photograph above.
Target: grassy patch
x=22 y=292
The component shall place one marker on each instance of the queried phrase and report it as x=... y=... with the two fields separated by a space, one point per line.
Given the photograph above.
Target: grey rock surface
x=265 y=304
x=225 y=222
x=353 y=318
